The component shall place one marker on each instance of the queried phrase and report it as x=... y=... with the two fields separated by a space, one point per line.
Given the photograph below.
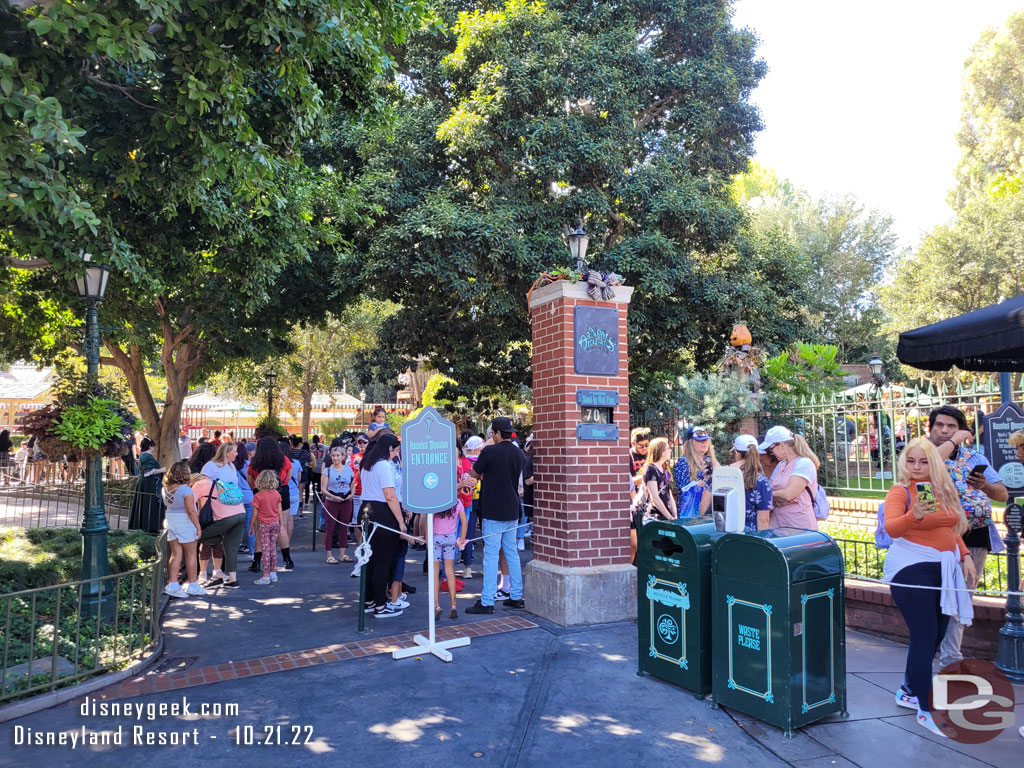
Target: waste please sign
x=428 y=463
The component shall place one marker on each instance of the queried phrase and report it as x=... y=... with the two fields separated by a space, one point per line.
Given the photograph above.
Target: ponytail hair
x=751 y=466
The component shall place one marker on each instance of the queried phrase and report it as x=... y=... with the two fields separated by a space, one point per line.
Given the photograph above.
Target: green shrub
x=43 y=557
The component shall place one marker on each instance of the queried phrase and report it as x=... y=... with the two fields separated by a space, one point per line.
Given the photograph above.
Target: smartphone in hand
x=924 y=492
x=978 y=471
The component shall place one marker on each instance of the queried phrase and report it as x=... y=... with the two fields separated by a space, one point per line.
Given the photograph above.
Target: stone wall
x=870 y=609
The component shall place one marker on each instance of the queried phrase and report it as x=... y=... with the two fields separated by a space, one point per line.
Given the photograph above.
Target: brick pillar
x=580 y=573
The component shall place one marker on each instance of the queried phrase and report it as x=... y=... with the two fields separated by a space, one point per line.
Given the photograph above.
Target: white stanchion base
x=423 y=645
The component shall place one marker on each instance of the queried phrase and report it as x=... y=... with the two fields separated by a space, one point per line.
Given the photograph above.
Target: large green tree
x=166 y=138
x=844 y=248
x=519 y=116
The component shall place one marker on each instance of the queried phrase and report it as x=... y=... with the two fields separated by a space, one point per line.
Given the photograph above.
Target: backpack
x=882 y=539
x=819 y=502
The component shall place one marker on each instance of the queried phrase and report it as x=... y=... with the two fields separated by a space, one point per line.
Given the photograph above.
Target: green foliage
x=396 y=420
x=42 y=557
x=169 y=139
x=88 y=427
x=808 y=369
x=438 y=390
x=519 y=116
x=269 y=426
x=714 y=401
x=332 y=428
x=838 y=247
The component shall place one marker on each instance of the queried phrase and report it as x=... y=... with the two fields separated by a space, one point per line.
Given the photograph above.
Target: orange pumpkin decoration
x=740 y=335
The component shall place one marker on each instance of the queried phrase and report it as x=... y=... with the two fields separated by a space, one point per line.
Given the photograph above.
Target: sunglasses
x=362 y=442
x=643 y=444
x=700 y=433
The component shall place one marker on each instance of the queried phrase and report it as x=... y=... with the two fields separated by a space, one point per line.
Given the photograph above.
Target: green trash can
x=674 y=602
x=779 y=626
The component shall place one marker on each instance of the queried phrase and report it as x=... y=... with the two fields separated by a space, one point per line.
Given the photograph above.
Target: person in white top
x=184 y=444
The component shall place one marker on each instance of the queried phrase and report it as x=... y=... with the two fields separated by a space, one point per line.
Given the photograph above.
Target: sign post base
x=429 y=644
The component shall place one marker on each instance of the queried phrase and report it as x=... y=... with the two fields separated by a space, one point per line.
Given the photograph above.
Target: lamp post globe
x=97 y=598
x=578 y=241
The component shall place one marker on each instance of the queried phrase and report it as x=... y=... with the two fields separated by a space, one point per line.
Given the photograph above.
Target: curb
x=62 y=695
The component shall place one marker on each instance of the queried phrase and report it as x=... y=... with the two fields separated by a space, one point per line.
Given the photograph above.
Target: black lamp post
x=271 y=377
x=96 y=595
x=1010 y=658
x=877 y=377
x=578 y=241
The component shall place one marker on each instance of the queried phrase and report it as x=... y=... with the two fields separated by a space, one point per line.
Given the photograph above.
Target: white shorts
x=180 y=528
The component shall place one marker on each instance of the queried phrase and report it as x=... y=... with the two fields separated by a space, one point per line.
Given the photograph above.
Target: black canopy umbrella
x=988 y=339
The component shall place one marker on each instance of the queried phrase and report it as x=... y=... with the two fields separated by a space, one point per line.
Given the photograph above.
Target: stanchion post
x=365 y=523
x=1010 y=657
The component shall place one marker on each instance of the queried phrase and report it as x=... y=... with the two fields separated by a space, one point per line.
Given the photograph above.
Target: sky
x=864 y=98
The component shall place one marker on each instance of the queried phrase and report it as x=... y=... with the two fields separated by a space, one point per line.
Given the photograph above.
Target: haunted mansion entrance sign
x=997 y=428
x=428 y=487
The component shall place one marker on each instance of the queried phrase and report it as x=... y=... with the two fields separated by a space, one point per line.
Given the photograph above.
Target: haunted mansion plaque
x=596 y=340
x=998 y=427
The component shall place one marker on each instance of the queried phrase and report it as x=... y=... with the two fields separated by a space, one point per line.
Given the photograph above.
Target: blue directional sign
x=428 y=463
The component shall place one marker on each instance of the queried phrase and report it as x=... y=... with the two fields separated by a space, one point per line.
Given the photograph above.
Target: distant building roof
x=25 y=382
x=335 y=399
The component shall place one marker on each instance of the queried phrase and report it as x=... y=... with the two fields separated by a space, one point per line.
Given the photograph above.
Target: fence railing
x=863 y=558
x=50 y=638
x=61 y=504
x=859 y=434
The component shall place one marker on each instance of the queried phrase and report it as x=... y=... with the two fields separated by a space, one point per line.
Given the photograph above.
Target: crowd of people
x=252 y=493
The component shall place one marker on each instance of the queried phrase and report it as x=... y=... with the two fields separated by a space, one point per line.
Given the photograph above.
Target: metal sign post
x=428 y=468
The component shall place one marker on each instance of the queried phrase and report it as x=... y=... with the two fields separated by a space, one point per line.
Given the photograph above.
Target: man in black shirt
x=499 y=468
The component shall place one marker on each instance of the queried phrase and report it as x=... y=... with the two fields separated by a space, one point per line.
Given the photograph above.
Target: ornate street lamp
x=271 y=377
x=877 y=377
x=578 y=241
x=91 y=284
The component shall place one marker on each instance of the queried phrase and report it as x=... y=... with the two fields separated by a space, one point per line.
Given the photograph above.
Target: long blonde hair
x=801 y=448
x=751 y=466
x=658 y=446
x=221 y=458
x=697 y=462
x=942 y=485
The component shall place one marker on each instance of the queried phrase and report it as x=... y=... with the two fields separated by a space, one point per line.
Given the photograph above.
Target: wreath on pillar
x=600 y=285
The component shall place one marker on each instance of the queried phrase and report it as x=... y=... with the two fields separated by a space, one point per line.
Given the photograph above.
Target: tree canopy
x=169 y=139
x=517 y=117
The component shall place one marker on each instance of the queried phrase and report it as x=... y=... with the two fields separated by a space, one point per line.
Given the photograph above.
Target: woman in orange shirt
x=927 y=550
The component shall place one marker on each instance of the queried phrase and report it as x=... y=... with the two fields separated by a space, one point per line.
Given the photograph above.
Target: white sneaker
x=273 y=578
x=468 y=573
x=399 y=605
x=521 y=544
x=924 y=719
x=174 y=590
x=263 y=580
x=196 y=589
x=386 y=613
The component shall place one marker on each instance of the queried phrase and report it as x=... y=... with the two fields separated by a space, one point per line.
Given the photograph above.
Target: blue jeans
x=467 y=552
x=506 y=541
x=250 y=539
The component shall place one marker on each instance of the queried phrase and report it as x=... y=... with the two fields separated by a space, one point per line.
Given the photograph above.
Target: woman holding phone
x=924 y=517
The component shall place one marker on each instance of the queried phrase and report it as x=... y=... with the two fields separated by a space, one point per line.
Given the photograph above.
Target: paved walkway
x=524 y=693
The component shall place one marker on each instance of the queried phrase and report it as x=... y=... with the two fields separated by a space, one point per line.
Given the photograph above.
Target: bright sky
x=865 y=97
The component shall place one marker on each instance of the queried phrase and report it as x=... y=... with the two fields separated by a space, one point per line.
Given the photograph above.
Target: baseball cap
x=473 y=443
x=502 y=424
x=744 y=443
x=700 y=434
x=777 y=434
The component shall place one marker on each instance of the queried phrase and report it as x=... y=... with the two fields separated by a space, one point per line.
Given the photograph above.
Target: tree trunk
x=179 y=358
x=307 y=406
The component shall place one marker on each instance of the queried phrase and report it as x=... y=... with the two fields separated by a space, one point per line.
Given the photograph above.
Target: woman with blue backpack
x=794 y=480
